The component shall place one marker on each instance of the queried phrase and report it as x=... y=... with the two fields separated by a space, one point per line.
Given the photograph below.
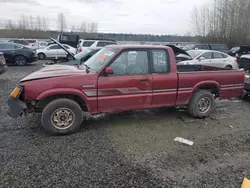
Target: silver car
x=211 y=58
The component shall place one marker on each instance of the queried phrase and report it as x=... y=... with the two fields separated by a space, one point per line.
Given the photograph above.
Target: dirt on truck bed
x=129 y=149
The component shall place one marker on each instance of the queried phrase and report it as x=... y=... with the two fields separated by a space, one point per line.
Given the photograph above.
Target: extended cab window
x=160 y=61
x=131 y=63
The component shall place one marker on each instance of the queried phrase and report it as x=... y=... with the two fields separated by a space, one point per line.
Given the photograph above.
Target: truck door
x=130 y=86
x=165 y=81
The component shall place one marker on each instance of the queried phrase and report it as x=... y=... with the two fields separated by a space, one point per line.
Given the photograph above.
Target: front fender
x=58 y=91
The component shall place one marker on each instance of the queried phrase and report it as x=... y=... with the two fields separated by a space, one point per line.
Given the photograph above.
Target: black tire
x=229 y=67
x=41 y=56
x=50 y=112
x=20 y=60
x=197 y=98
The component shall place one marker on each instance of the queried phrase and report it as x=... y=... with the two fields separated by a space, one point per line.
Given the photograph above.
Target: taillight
x=80 y=50
x=236 y=60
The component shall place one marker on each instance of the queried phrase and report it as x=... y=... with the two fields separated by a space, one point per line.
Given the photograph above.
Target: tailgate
x=229 y=83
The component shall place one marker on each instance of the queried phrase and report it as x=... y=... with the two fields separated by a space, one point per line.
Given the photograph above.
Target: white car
x=31 y=41
x=211 y=58
x=39 y=45
x=54 y=51
x=94 y=44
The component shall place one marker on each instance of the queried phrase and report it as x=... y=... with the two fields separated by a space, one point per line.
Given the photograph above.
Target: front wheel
x=20 y=60
x=62 y=116
x=202 y=104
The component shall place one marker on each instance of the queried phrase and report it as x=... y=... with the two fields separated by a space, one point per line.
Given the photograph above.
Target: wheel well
x=41 y=53
x=20 y=55
x=212 y=88
x=42 y=103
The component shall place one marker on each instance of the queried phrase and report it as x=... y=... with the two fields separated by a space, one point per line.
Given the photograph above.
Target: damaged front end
x=17 y=106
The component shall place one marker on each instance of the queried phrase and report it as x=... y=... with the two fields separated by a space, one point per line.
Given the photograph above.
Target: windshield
x=82 y=54
x=100 y=58
x=194 y=53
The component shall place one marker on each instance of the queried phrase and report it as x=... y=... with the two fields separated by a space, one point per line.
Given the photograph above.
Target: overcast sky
x=117 y=16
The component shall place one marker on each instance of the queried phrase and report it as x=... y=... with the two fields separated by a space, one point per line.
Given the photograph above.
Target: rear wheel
x=229 y=67
x=41 y=56
x=20 y=60
x=202 y=104
x=62 y=116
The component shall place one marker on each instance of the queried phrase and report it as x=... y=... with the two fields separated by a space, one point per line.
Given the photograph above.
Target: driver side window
x=131 y=63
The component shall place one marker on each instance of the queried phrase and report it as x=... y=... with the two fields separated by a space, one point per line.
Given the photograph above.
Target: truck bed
x=229 y=83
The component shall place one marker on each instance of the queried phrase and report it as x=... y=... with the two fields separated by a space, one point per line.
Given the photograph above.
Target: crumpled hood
x=54 y=71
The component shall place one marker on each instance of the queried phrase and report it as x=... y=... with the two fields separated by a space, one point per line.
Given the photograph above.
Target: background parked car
x=31 y=41
x=80 y=58
x=77 y=59
x=85 y=44
x=180 y=54
x=233 y=51
x=211 y=58
x=215 y=47
x=71 y=39
x=17 y=54
x=39 y=45
x=2 y=63
x=53 y=51
x=19 y=41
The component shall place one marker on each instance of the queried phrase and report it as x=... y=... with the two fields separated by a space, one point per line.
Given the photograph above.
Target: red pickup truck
x=121 y=78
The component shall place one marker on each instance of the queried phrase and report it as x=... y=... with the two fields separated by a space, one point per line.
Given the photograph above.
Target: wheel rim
x=62 y=118
x=204 y=105
x=20 y=60
x=41 y=56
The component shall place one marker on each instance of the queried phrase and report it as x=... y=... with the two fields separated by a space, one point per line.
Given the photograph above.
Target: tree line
x=38 y=27
x=40 y=23
x=223 y=21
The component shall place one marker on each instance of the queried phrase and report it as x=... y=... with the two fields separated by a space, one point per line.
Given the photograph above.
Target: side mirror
x=201 y=58
x=109 y=70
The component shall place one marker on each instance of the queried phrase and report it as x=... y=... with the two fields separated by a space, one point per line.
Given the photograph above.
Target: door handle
x=144 y=80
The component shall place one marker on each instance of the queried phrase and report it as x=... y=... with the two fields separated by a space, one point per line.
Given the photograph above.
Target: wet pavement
x=129 y=149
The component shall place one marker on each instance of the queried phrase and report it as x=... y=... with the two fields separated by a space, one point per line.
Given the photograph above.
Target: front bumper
x=16 y=107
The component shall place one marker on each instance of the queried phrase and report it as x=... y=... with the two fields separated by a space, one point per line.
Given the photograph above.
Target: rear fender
x=209 y=83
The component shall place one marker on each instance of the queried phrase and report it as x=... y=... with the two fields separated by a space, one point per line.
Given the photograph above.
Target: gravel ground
x=133 y=149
